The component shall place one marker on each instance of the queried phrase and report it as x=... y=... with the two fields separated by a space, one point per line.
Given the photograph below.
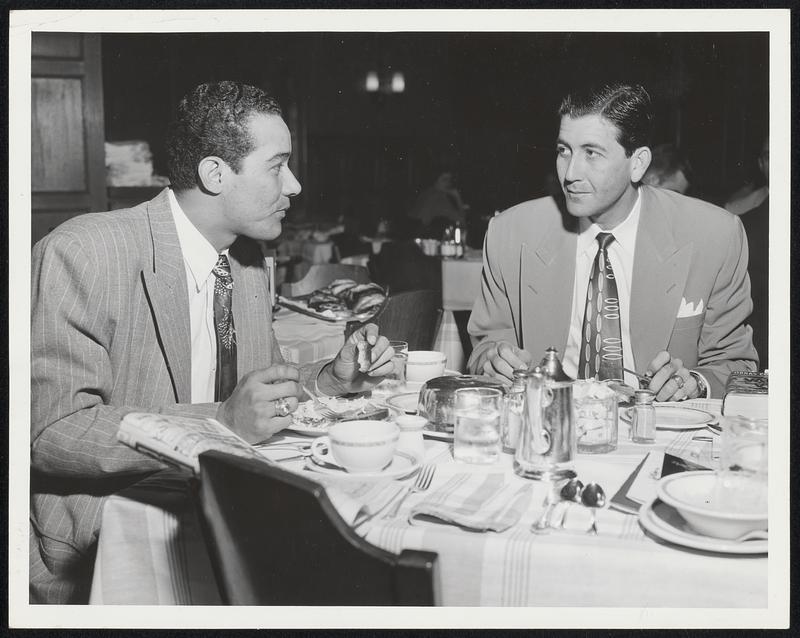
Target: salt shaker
x=643 y=421
x=513 y=408
x=411 y=441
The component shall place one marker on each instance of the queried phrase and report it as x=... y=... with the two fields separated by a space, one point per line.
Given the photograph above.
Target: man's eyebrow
x=280 y=156
x=594 y=145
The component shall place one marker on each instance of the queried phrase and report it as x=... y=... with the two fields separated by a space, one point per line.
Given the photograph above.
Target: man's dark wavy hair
x=627 y=106
x=213 y=120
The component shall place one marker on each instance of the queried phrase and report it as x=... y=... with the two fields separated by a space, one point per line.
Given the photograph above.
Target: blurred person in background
x=669 y=168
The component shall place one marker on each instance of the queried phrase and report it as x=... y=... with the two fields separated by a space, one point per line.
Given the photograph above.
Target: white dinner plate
x=673 y=417
x=664 y=522
x=401 y=466
x=405 y=402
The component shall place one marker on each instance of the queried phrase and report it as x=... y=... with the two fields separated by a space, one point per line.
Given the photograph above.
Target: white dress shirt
x=199 y=257
x=621 y=254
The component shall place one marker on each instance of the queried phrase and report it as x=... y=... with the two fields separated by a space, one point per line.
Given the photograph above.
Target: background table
x=151 y=552
x=461 y=284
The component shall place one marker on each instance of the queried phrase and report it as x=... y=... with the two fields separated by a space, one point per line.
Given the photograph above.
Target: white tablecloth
x=151 y=554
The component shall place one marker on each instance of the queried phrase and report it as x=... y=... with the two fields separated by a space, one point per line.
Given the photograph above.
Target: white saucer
x=401 y=466
x=439 y=436
x=673 y=417
x=663 y=521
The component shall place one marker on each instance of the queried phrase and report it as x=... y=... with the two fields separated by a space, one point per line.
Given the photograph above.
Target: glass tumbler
x=743 y=469
x=397 y=378
x=476 y=436
x=595 y=417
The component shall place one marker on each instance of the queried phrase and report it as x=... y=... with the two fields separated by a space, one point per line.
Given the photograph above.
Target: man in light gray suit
x=672 y=296
x=164 y=307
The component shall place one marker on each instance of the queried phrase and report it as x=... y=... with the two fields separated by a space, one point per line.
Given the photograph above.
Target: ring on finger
x=678 y=379
x=282 y=407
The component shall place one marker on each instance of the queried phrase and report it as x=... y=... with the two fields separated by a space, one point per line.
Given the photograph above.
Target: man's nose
x=291 y=186
x=572 y=174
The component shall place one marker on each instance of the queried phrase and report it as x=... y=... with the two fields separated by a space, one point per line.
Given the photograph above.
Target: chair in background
x=412 y=316
x=274 y=538
x=320 y=275
x=402 y=265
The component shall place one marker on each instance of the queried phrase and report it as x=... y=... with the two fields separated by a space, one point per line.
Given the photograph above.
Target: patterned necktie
x=601 y=342
x=226 y=333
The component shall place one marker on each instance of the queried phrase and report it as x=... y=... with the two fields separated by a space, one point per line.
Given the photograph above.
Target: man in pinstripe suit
x=122 y=320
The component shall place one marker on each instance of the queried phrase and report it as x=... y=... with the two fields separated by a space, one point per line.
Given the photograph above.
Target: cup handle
x=316 y=449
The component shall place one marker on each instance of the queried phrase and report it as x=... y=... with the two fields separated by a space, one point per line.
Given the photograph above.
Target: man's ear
x=640 y=160
x=210 y=172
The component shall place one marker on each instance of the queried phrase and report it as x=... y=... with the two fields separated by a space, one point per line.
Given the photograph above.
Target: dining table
x=461 y=285
x=151 y=549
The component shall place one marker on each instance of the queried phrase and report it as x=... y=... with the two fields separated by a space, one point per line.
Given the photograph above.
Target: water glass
x=595 y=417
x=743 y=469
x=477 y=425
x=397 y=378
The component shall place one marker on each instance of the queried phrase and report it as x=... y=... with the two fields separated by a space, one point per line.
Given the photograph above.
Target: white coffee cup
x=358 y=446
x=423 y=365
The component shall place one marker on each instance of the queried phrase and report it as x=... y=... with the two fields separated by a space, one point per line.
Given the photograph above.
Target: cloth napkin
x=358 y=502
x=478 y=502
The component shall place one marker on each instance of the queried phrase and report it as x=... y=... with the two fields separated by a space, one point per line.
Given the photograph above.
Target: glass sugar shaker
x=410 y=440
x=514 y=408
x=643 y=420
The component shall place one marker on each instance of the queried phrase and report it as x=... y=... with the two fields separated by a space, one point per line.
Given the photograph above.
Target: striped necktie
x=601 y=338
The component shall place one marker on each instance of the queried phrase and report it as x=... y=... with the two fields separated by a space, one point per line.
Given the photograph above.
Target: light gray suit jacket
x=687 y=251
x=110 y=335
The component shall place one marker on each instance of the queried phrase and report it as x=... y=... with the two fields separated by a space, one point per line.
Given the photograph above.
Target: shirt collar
x=198 y=254
x=624 y=233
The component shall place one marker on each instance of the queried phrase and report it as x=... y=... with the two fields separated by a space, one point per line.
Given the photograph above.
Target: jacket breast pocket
x=689 y=323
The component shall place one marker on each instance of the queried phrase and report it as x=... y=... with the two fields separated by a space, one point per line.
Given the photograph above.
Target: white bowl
x=714 y=507
x=358 y=446
x=423 y=365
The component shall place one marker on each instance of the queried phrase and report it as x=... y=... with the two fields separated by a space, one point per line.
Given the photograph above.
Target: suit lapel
x=165 y=284
x=660 y=269
x=251 y=308
x=547 y=272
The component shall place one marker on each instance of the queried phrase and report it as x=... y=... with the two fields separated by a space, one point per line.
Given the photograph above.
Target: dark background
x=483 y=103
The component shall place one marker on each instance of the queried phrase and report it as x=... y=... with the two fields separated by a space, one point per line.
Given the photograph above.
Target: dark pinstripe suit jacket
x=110 y=335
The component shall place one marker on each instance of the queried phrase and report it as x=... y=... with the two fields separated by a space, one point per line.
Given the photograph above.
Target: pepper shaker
x=410 y=440
x=643 y=421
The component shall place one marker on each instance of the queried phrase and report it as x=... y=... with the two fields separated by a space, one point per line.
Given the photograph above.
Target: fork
x=323 y=410
x=422 y=483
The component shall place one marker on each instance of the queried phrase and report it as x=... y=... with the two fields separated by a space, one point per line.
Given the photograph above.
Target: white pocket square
x=688 y=309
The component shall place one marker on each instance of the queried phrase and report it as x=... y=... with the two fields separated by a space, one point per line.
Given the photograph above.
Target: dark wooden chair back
x=412 y=316
x=402 y=265
x=320 y=275
x=275 y=539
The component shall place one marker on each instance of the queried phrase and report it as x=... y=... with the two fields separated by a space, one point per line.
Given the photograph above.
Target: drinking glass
x=595 y=417
x=743 y=470
x=476 y=436
x=397 y=377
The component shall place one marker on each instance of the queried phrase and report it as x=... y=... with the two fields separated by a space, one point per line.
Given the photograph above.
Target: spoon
x=570 y=493
x=593 y=496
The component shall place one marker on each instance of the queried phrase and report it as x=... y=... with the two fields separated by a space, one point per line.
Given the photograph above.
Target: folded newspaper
x=180 y=440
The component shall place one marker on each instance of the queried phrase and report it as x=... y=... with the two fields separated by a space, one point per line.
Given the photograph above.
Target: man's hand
x=345 y=374
x=255 y=408
x=501 y=359
x=670 y=380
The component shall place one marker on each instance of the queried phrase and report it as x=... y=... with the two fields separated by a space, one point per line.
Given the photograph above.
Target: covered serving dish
x=437 y=398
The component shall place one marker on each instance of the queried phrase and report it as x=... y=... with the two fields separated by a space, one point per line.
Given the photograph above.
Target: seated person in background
x=163 y=307
x=756 y=225
x=441 y=200
x=632 y=276
x=750 y=196
x=668 y=169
